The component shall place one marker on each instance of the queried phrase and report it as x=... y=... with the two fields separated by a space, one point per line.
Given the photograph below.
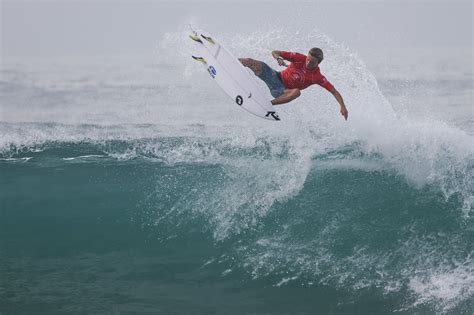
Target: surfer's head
x=314 y=58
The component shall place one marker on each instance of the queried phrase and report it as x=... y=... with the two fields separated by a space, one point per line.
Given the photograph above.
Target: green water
x=100 y=235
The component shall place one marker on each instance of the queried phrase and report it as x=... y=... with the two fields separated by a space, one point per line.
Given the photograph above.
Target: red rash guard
x=296 y=76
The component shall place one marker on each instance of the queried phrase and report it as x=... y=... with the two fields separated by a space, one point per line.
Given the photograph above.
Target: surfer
x=302 y=72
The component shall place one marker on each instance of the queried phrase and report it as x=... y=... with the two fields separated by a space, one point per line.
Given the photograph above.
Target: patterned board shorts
x=272 y=80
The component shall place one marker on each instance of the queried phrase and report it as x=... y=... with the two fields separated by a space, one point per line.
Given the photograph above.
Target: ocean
x=133 y=185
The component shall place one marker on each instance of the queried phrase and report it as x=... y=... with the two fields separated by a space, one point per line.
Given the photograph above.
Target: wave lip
x=425 y=153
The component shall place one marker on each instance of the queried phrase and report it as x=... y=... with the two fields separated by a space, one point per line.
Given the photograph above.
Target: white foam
x=445 y=285
x=82 y=157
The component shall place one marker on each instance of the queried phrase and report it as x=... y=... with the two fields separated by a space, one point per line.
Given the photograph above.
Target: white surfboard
x=232 y=76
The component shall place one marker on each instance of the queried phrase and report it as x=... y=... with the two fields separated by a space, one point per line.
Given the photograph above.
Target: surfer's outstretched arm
x=339 y=99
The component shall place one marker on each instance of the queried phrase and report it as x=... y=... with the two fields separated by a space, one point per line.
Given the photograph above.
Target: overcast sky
x=54 y=28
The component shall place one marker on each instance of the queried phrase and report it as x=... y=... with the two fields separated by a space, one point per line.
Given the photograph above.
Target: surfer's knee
x=246 y=61
x=253 y=64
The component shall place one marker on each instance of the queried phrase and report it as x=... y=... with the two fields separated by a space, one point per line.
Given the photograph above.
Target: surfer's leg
x=254 y=65
x=287 y=96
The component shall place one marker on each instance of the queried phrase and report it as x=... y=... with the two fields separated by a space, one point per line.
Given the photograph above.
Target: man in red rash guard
x=302 y=72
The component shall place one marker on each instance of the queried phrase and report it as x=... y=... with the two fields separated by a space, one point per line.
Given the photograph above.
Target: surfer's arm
x=287 y=96
x=289 y=56
x=277 y=55
x=339 y=99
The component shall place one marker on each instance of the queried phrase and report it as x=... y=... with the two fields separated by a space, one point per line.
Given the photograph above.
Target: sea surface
x=133 y=185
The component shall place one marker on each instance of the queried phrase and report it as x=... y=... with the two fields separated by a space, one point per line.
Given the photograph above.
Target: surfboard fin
x=209 y=39
x=201 y=59
x=195 y=38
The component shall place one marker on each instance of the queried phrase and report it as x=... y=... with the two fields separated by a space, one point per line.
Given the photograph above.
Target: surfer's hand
x=344 y=112
x=281 y=61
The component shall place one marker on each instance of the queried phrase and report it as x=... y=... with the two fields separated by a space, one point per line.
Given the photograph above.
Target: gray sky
x=46 y=28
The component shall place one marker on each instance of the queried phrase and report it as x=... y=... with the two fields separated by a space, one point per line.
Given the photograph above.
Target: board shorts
x=272 y=79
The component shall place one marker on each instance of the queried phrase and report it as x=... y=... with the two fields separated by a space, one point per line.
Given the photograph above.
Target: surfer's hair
x=317 y=53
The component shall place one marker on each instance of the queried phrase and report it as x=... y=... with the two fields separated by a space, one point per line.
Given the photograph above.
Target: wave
x=277 y=185
x=442 y=163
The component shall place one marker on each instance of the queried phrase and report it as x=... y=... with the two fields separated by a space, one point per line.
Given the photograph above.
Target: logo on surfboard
x=273 y=114
x=212 y=71
x=239 y=100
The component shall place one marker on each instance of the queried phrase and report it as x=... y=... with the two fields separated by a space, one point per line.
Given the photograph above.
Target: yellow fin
x=201 y=59
x=195 y=38
x=210 y=40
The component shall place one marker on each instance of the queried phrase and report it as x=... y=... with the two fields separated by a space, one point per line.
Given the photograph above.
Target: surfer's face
x=311 y=61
